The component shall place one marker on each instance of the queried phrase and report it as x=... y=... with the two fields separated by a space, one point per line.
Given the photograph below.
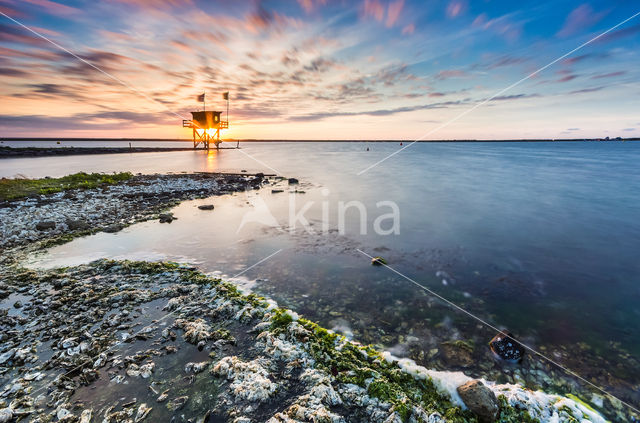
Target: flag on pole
x=225 y=95
x=201 y=97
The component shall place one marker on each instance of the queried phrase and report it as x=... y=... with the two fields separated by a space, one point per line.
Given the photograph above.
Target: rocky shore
x=137 y=341
x=120 y=341
x=59 y=217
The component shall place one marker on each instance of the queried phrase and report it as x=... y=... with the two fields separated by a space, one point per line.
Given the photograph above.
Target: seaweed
x=12 y=189
x=510 y=414
x=365 y=367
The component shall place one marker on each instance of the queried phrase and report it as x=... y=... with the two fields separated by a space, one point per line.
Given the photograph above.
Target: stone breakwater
x=111 y=208
x=9 y=152
x=119 y=341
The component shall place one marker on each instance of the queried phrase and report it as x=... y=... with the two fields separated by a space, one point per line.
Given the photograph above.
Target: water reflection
x=212 y=161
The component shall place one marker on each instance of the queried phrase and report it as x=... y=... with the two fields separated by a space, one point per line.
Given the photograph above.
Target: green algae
x=280 y=320
x=581 y=402
x=365 y=367
x=510 y=414
x=465 y=345
x=64 y=238
x=219 y=334
x=12 y=189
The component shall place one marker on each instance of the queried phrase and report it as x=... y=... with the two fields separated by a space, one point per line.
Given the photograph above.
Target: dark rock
x=293 y=181
x=260 y=175
x=115 y=227
x=480 y=400
x=378 y=261
x=166 y=217
x=206 y=207
x=17 y=304
x=276 y=191
x=45 y=225
x=178 y=403
x=506 y=348
x=457 y=353
x=75 y=225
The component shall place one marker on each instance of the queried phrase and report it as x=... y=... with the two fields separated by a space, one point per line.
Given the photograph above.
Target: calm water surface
x=541 y=238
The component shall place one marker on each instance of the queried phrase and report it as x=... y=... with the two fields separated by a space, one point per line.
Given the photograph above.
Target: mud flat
x=122 y=341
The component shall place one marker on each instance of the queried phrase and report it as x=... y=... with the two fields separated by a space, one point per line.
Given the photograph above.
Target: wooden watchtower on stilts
x=206 y=128
x=206 y=125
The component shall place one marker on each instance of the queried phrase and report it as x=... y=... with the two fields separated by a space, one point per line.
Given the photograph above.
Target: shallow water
x=541 y=238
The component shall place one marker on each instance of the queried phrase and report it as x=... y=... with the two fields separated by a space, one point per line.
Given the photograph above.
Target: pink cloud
x=393 y=12
x=29 y=53
x=455 y=8
x=580 y=18
x=181 y=45
x=310 y=5
x=451 y=73
x=46 y=31
x=262 y=19
x=510 y=31
x=374 y=8
x=609 y=75
x=53 y=7
x=12 y=34
x=307 y=5
x=115 y=36
x=480 y=20
x=155 y=4
x=409 y=29
x=11 y=12
x=567 y=78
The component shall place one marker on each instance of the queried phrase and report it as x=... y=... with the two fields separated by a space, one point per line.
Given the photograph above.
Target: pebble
x=6 y=415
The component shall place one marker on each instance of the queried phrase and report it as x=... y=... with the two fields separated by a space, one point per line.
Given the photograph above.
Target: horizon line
x=2 y=139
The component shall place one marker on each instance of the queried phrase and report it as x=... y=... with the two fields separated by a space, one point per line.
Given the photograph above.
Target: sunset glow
x=319 y=69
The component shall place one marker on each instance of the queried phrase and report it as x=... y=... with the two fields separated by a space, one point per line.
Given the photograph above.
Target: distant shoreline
x=407 y=141
x=7 y=152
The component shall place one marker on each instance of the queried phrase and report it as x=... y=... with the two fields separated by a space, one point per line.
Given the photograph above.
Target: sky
x=320 y=69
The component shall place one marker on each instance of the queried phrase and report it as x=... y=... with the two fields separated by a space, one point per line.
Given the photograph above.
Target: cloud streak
x=580 y=19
